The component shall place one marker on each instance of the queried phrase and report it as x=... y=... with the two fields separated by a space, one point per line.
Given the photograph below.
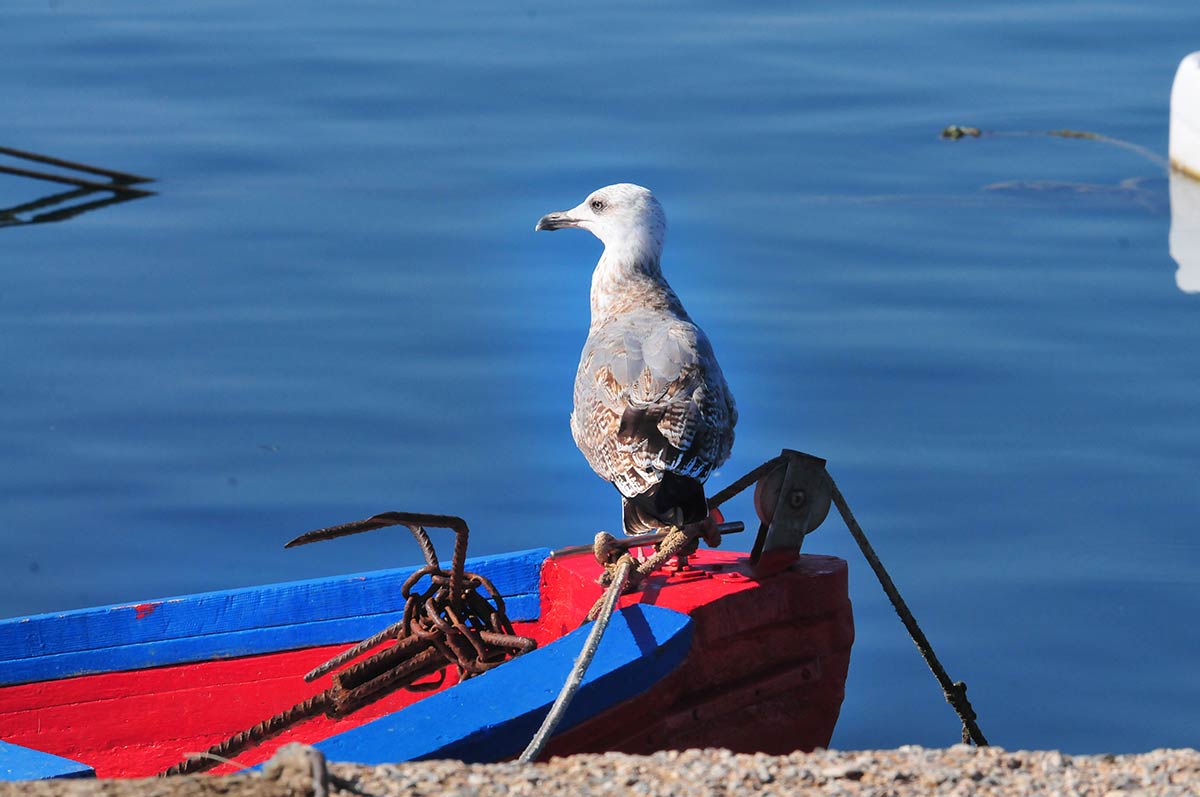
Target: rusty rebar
x=251 y=737
x=410 y=519
x=348 y=700
x=391 y=632
x=447 y=623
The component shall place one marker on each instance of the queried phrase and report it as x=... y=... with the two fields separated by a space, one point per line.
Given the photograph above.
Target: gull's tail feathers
x=674 y=501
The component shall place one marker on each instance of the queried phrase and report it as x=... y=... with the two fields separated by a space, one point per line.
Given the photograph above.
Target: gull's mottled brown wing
x=650 y=397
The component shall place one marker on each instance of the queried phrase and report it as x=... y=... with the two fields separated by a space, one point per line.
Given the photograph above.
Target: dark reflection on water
x=66 y=204
x=336 y=306
x=100 y=187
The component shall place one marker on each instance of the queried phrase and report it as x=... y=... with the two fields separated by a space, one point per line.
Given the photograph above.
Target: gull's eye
x=597 y=205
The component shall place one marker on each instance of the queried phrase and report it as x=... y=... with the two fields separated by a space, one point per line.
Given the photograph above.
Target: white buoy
x=1184 y=242
x=1185 y=117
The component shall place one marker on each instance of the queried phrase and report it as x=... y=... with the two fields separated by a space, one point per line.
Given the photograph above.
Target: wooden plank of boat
x=234 y=622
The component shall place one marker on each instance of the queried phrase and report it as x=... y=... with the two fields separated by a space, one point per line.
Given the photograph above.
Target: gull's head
x=624 y=216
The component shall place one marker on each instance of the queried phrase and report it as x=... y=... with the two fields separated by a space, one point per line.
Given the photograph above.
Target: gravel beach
x=958 y=770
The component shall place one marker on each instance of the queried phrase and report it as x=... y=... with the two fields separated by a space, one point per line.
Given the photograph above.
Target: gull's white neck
x=629 y=276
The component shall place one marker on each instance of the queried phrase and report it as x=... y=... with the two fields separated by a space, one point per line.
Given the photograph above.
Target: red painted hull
x=765 y=672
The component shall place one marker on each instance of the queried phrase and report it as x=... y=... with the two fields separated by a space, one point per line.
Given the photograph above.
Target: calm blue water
x=336 y=305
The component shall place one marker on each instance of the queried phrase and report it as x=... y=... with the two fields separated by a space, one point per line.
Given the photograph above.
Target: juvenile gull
x=652 y=412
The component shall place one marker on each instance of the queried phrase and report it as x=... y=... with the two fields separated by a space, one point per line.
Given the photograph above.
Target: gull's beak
x=556 y=221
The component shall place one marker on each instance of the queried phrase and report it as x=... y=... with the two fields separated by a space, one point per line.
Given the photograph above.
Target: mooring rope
x=567 y=693
x=955 y=691
x=673 y=543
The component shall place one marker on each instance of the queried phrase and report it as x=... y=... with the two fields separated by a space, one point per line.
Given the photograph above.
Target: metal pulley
x=791 y=499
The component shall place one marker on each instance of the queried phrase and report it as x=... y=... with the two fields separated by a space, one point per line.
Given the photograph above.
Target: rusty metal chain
x=447 y=623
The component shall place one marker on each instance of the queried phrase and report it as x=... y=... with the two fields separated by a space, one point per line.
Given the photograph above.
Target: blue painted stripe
x=235 y=622
x=22 y=763
x=493 y=717
x=217 y=646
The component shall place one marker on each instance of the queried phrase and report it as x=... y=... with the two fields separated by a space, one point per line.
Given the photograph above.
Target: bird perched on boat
x=652 y=412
